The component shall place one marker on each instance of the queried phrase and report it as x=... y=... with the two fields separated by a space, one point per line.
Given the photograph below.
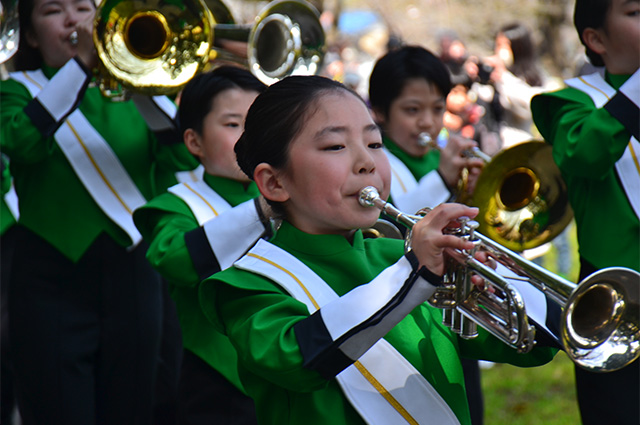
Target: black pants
x=165 y=406
x=208 y=398
x=473 y=385
x=6 y=373
x=608 y=398
x=84 y=336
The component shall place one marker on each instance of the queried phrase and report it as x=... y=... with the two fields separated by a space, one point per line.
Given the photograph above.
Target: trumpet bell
x=153 y=48
x=522 y=197
x=600 y=329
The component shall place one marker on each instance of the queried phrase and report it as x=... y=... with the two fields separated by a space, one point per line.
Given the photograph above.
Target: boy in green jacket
x=593 y=125
x=200 y=227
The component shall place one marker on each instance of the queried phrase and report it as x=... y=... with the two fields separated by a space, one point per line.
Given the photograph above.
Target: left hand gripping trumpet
x=599 y=325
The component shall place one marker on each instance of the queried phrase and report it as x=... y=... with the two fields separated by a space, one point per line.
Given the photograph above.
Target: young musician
x=408 y=88
x=593 y=126
x=200 y=227
x=331 y=327
x=85 y=305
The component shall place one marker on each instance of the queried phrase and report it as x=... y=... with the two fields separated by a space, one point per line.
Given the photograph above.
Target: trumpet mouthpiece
x=424 y=139
x=73 y=38
x=368 y=195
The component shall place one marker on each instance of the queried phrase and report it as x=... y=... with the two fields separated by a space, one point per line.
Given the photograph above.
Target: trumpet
x=599 y=327
x=522 y=197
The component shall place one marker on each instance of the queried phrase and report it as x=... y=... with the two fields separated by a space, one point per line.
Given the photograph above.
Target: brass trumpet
x=522 y=197
x=599 y=328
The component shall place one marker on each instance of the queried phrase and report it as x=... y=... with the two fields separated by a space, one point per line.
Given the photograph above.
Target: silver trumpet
x=599 y=326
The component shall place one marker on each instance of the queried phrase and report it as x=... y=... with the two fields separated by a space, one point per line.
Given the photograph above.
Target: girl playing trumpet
x=330 y=327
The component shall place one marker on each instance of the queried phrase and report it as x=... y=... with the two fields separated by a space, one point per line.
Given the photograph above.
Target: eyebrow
x=232 y=115
x=342 y=129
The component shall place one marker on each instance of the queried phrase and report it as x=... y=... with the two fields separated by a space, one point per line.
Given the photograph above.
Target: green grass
x=543 y=395
x=531 y=396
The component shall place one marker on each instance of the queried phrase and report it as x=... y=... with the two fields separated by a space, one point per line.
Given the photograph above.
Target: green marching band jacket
x=307 y=314
x=194 y=231
x=593 y=127
x=82 y=163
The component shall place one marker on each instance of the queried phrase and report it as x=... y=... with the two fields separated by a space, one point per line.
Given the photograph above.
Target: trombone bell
x=522 y=197
x=152 y=49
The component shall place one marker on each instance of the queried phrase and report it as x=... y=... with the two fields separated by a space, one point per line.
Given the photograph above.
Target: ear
x=193 y=142
x=269 y=182
x=32 y=41
x=593 y=39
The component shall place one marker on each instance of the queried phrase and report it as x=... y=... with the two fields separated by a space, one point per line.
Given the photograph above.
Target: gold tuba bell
x=9 y=29
x=156 y=47
x=522 y=198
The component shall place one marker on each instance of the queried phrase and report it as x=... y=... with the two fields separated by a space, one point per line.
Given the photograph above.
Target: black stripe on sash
x=625 y=111
x=204 y=260
x=41 y=118
x=326 y=356
x=319 y=351
x=168 y=137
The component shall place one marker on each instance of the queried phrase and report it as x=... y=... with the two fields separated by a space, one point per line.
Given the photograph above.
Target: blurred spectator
x=517 y=77
x=468 y=116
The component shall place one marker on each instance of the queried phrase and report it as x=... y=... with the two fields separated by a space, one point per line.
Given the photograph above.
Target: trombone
x=155 y=47
x=599 y=327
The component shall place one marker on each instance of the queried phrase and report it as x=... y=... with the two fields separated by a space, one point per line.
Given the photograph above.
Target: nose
x=365 y=163
x=425 y=120
x=73 y=16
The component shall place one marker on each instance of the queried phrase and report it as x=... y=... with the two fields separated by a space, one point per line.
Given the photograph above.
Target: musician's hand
x=479 y=281
x=453 y=159
x=86 y=50
x=429 y=241
x=472 y=176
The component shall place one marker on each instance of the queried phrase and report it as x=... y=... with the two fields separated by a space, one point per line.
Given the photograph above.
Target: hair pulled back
x=277 y=116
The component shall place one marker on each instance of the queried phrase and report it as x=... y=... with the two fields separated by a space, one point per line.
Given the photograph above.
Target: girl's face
x=621 y=37
x=52 y=22
x=221 y=129
x=336 y=154
x=419 y=108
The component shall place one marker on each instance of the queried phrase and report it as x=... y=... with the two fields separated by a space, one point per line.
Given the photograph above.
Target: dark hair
x=391 y=72
x=276 y=117
x=27 y=57
x=525 y=63
x=200 y=92
x=591 y=14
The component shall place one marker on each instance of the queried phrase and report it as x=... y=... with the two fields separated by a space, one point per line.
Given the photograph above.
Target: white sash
x=94 y=162
x=628 y=166
x=382 y=385
x=402 y=181
x=204 y=202
x=11 y=199
x=191 y=175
